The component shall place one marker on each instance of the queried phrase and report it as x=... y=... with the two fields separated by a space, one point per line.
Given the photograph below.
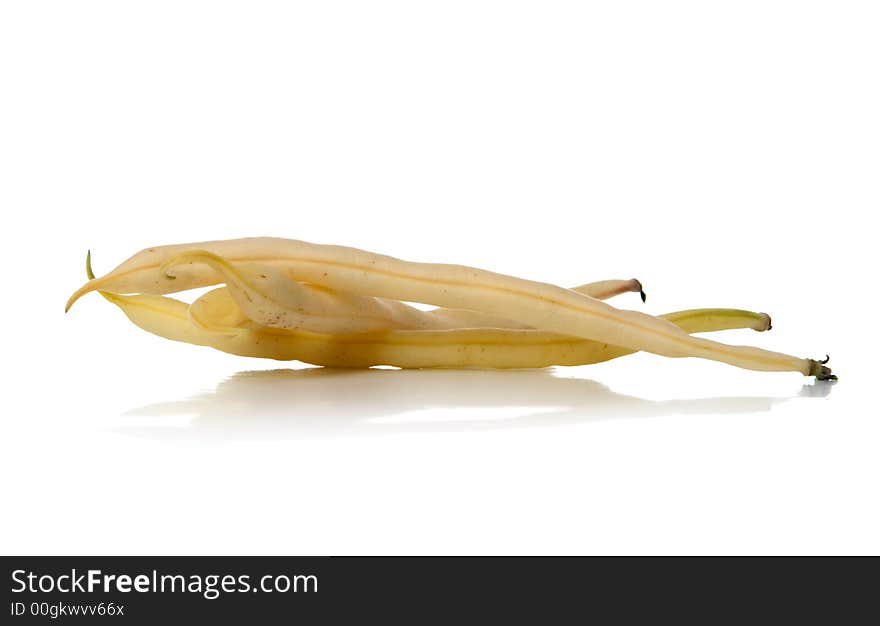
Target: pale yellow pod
x=540 y=305
x=485 y=348
x=266 y=295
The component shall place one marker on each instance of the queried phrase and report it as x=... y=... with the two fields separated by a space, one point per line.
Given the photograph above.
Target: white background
x=724 y=153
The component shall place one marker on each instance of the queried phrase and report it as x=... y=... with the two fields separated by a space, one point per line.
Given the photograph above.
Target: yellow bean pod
x=540 y=305
x=203 y=323
x=266 y=295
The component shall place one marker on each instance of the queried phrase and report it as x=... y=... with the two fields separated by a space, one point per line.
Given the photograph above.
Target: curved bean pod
x=485 y=348
x=266 y=295
x=358 y=272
